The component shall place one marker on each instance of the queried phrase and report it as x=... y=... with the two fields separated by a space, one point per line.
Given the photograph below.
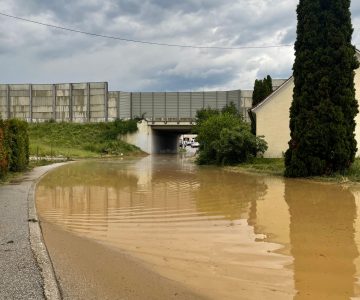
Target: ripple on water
x=226 y=235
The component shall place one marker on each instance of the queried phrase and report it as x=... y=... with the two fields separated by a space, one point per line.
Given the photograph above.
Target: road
x=21 y=277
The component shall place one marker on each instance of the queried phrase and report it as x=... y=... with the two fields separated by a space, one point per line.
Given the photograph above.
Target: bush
x=226 y=139
x=4 y=150
x=120 y=127
x=19 y=144
x=14 y=146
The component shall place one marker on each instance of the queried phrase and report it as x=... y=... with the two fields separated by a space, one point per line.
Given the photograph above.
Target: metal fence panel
x=125 y=105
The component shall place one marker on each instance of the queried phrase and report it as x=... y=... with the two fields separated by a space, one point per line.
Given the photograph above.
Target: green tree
x=202 y=115
x=226 y=139
x=231 y=109
x=324 y=107
x=262 y=89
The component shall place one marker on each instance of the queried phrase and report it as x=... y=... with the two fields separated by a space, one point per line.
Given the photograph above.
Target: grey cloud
x=39 y=54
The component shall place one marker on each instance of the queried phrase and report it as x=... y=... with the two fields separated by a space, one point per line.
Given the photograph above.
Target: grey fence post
x=190 y=107
x=165 y=108
x=227 y=97
x=118 y=104
x=203 y=99
x=70 y=102
x=140 y=106
x=152 y=107
x=106 y=102
x=8 y=100
x=54 y=101
x=131 y=106
x=178 y=107
x=216 y=103
x=88 y=102
x=31 y=103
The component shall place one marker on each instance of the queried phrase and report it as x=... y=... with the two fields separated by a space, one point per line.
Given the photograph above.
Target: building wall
x=272 y=120
x=273 y=117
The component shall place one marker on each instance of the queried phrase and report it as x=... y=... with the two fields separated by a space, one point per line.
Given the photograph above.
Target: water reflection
x=191 y=225
x=228 y=195
x=222 y=234
x=322 y=239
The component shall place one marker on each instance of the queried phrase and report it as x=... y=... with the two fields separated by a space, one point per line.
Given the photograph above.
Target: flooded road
x=223 y=235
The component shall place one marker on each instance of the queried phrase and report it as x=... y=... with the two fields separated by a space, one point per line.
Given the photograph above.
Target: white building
x=272 y=117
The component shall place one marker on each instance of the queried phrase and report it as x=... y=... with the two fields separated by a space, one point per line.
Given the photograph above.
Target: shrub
x=226 y=139
x=4 y=150
x=19 y=144
x=120 y=127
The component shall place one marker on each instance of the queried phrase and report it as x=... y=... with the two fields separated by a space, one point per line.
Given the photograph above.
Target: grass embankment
x=72 y=140
x=271 y=166
x=275 y=166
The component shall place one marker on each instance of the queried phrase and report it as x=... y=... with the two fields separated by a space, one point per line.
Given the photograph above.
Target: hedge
x=4 y=149
x=14 y=146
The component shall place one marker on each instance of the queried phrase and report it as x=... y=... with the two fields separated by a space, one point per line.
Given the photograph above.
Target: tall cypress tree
x=262 y=89
x=322 y=113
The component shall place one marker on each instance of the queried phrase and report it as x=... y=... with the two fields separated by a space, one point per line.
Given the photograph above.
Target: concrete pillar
x=54 y=101
x=88 y=102
x=227 y=98
x=106 y=102
x=239 y=99
x=70 y=102
x=203 y=100
x=31 y=103
x=8 y=101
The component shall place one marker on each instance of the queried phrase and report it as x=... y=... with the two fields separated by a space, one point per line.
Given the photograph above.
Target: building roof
x=268 y=98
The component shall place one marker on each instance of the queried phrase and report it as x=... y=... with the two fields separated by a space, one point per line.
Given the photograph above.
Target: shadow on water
x=322 y=239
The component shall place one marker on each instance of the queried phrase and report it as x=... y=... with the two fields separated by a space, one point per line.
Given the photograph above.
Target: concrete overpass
x=159 y=137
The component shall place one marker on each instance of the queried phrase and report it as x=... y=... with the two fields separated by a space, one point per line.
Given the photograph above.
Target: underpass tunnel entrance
x=166 y=140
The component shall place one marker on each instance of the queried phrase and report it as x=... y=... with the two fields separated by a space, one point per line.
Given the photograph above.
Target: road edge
x=37 y=244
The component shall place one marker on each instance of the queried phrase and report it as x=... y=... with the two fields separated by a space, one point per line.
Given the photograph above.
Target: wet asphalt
x=20 y=277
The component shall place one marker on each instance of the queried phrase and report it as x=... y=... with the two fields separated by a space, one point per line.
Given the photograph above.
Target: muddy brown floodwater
x=218 y=234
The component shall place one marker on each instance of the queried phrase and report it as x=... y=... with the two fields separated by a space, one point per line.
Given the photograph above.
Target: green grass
x=71 y=140
x=351 y=175
x=271 y=166
x=275 y=166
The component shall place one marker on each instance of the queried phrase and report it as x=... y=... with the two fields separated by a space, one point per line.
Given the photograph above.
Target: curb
x=38 y=247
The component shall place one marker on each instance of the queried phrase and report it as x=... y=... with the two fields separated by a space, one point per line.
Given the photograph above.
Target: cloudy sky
x=30 y=53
